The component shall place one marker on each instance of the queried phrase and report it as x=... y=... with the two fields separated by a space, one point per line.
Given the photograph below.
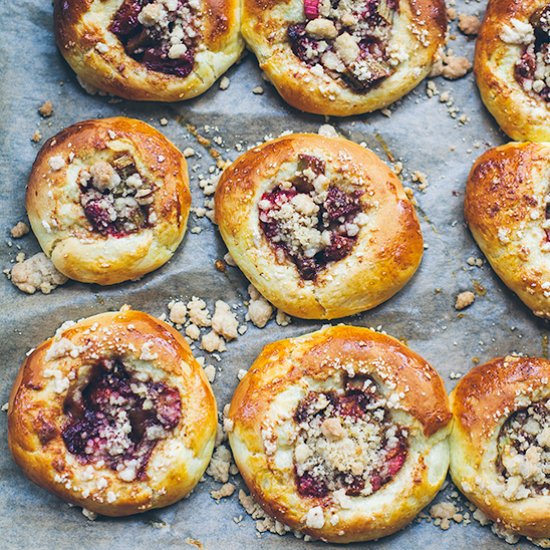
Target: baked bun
x=108 y=200
x=320 y=226
x=341 y=434
x=344 y=58
x=507 y=207
x=159 y=50
x=512 y=66
x=113 y=414
x=500 y=442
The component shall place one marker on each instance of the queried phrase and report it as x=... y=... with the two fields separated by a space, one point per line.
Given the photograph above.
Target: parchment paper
x=420 y=133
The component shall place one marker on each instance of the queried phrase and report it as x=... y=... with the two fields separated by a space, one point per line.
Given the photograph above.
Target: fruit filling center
x=161 y=34
x=533 y=69
x=524 y=452
x=309 y=222
x=348 y=39
x=116 y=421
x=115 y=197
x=347 y=442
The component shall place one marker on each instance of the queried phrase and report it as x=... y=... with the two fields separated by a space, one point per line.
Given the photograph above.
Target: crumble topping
x=259 y=309
x=310 y=220
x=46 y=109
x=469 y=24
x=348 y=39
x=464 y=300
x=263 y=521
x=532 y=71
x=56 y=163
x=114 y=419
x=178 y=312
x=224 y=83
x=115 y=196
x=161 y=34
x=224 y=321
x=89 y=515
x=315 y=518
x=347 y=443
x=219 y=467
x=517 y=32
x=20 y=229
x=36 y=273
x=450 y=66
x=524 y=452
x=444 y=512
x=223 y=326
x=226 y=490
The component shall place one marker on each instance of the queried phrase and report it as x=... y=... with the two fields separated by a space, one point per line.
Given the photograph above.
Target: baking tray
x=421 y=133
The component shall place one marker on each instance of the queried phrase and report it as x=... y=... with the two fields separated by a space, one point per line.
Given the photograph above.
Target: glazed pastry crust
x=58 y=219
x=419 y=29
x=386 y=255
x=80 y=25
x=523 y=116
x=481 y=403
x=505 y=210
x=35 y=415
x=281 y=376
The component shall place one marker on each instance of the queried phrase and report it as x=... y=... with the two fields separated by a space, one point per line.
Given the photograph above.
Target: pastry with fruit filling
x=113 y=414
x=341 y=434
x=507 y=207
x=500 y=443
x=159 y=50
x=320 y=226
x=108 y=200
x=512 y=66
x=344 y=57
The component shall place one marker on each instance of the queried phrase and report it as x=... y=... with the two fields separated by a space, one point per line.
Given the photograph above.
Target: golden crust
x=80 y=25
x=36 y=414
x=58 y=219
x=282 y=375
x=505 y=209
x=386 y=255
x=481 y=403
x=522 y=115
x=418 y=32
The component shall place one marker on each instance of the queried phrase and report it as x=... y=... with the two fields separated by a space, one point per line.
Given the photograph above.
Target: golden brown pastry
x=344 y=57
x=341 y=434
x=507 y=207
x=160 y=50
x=113 y=414
x=500 y=442
x=512 y=66
x=320 y=226
x=108 y=200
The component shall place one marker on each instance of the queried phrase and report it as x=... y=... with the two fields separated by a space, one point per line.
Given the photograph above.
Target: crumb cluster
x=348 y=40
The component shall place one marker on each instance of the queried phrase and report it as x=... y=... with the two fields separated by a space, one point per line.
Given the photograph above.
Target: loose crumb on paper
x=224 y=83
x=36 y=273
x=464 y=299
x=469 y=24
x=19 y=230
x=46 y=109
